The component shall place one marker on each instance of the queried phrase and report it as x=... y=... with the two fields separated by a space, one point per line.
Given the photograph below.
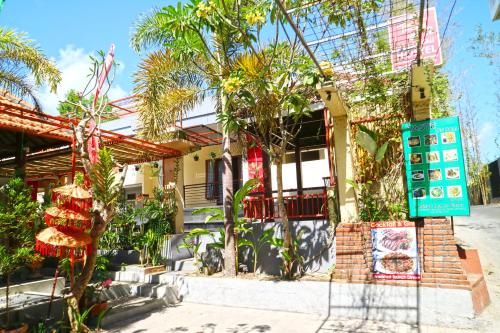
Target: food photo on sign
x=394 y=248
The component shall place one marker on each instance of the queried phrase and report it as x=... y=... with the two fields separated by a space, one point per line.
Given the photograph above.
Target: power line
x=447 y=22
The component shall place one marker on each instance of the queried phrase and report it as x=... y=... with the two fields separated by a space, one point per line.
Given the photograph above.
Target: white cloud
x=74 y=64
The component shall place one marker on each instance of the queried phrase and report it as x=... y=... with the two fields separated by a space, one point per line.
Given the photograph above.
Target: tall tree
x=276 y=91
x=202 y=39
x=21 y=59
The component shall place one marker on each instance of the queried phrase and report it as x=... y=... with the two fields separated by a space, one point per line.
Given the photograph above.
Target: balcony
x=310 y=204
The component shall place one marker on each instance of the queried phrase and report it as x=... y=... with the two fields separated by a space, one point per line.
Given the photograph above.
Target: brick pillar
x=352 y=262
x=441 y=261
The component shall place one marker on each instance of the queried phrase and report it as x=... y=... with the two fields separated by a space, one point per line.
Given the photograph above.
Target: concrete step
x=137 y=277
x=133 y=306
x=185 y=265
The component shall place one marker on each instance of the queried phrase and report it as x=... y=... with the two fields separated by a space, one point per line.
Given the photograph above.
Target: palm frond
x=167 y=89
x=17 y=85
x=17 y=49
x=105 y=183
x=149 y=30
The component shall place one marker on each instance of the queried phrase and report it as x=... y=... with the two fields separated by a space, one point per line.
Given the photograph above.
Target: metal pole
x=299 y=35
x=53 y=290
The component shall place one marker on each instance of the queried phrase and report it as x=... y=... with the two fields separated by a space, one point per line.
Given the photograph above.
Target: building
x=199 y=181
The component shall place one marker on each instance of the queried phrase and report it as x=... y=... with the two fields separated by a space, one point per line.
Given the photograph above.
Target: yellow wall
x=194 y=171
x=150 y=181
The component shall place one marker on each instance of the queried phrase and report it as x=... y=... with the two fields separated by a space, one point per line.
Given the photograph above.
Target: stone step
x=132 y=307
x=137 y=277
x=185 y=265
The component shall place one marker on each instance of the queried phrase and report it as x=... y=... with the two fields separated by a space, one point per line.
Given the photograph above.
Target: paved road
x=198 y=318
x=481 y=230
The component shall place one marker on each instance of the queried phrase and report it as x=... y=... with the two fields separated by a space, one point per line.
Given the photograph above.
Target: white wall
x=312 y=173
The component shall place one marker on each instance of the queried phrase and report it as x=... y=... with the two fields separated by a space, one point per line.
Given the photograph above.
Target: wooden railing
x=299 y=206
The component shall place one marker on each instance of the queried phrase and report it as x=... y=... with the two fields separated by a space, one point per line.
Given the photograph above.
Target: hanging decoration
x=68 y=233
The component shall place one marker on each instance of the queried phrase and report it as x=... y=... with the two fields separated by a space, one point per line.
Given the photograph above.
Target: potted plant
x=17 y=213
x=212 y=155
x=196 y=157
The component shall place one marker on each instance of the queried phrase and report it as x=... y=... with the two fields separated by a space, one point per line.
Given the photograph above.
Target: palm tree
x=200 y=41
x=167 y=89
x=23 y=67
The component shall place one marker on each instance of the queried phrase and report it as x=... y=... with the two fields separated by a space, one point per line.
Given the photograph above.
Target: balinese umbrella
x=54 y=242
x=58 y=243
x=67 y=219
x=72 y=197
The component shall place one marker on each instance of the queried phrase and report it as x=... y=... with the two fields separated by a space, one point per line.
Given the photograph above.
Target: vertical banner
x=394 y=249
x=255 y=163
x=435 y=171
x=403 y=39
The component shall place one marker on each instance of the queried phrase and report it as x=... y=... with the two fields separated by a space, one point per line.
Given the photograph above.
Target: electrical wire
x=446 y=26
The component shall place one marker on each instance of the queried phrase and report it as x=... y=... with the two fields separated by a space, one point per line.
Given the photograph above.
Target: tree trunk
x=227 y=192
x=78 y=290
x=287 y=236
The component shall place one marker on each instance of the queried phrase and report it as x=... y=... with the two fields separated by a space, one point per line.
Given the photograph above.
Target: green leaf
x=352 y=183
x=366 y=142
x=381 y=152
x=245 y=242
x=368 y=131
x=242 y=193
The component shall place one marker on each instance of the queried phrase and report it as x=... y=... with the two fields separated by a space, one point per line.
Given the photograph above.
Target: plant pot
x=21 y=329
x=99 y=308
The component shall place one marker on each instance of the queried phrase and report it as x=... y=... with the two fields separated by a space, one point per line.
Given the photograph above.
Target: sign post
x=435 y=169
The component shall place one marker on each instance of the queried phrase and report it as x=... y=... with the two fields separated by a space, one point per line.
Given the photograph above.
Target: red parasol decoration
x=57 y=243
x=68 y=223
x=67 y=219
x=72 y=197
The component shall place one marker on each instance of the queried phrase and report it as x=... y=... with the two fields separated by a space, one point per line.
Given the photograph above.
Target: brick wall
x=441 y=263
x=439 y=259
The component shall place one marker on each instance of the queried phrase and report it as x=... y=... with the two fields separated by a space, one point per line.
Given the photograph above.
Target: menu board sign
x=394 y=248
x=435 y=170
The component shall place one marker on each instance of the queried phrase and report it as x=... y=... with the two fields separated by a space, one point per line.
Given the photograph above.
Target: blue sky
x=69 y=30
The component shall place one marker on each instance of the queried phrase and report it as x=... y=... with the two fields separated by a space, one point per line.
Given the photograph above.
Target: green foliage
x=17 y=215
x=157 y=216
x=295 y=261
x=21 y=63
x=122 y=232
x=250 y=239
x=441 y=95
x=80 y=318
x=368 y=139
x=191 y=241
x=75 y=105
x=104 y=179
x=375 y=206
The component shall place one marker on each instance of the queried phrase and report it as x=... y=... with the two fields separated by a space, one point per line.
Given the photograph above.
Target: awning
x=47 y=140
